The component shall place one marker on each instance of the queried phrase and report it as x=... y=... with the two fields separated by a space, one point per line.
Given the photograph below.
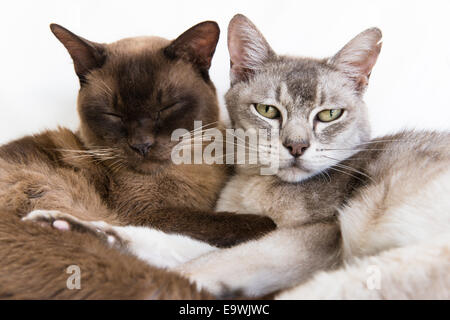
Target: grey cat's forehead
x=296 y=85
x=297 y=79
x=311 y=83
x=301 y=77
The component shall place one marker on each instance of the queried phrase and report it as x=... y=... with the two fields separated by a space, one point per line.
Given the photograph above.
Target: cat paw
x=53 y=218
x=213 y=285
x=66 y=222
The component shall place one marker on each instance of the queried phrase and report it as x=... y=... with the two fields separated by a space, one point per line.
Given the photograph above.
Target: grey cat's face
x=316 y=105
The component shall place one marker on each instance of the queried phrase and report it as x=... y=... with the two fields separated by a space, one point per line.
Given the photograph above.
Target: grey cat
x=357 y=218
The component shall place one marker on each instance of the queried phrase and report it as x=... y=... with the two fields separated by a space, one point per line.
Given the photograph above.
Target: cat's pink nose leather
x=297 y=148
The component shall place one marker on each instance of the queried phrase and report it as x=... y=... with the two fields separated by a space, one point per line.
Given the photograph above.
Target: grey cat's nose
x=297 y=148
x=142 y=148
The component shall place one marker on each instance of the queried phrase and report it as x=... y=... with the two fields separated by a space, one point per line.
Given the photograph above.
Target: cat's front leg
x=155 y=247
x=256 y=268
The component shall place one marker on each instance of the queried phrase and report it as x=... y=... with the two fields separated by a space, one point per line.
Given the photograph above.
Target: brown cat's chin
x=148 y=166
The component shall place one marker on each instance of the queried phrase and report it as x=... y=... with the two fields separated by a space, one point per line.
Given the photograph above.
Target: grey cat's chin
x=294 y=174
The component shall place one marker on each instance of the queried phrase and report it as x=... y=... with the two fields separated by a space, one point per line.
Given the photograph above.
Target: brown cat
x=117 y=168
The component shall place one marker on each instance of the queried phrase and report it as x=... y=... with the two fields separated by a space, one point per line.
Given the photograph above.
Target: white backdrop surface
x=409 y=86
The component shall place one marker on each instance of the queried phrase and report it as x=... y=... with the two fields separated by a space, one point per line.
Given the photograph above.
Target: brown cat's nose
x=142 y=148
x=297 y=148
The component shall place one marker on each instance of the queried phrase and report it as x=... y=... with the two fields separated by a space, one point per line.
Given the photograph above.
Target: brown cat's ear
x=358 y=57
x=248 y=48
x=86 y=55
x=196 y=45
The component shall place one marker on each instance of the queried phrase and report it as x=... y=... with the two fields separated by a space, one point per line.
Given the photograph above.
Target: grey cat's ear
x=248 y=48
x=196 y=45
x=358 y=57
x=86 y=55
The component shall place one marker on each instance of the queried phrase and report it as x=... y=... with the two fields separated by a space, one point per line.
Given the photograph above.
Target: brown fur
x=34 y=261
x=123 y=87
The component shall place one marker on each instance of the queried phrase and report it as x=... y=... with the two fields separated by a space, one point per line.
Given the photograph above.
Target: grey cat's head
x=316 y=104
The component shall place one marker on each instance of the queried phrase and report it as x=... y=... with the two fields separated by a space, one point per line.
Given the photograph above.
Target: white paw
x=65 y=222
x=203 y=280
x=101 y=225
x=45 y=215
x=57 y=219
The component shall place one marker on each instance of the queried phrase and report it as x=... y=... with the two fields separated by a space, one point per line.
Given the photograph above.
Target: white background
x=409 y=85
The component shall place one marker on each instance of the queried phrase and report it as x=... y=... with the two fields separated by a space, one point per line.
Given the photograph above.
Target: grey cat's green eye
x=329 y=115
x=267 y=111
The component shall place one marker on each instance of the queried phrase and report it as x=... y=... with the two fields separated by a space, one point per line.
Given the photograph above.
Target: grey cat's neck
x=321 y=196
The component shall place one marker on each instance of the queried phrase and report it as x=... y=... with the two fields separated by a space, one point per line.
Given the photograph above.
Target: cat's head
x=135 y=92
x=316 y=104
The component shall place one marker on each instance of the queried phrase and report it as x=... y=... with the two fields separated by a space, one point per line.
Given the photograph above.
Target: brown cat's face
x=137 y=91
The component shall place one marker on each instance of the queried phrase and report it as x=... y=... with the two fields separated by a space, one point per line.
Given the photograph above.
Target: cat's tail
x=418 y=271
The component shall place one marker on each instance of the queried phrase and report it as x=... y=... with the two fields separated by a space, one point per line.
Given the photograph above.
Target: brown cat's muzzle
x=142 y=148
